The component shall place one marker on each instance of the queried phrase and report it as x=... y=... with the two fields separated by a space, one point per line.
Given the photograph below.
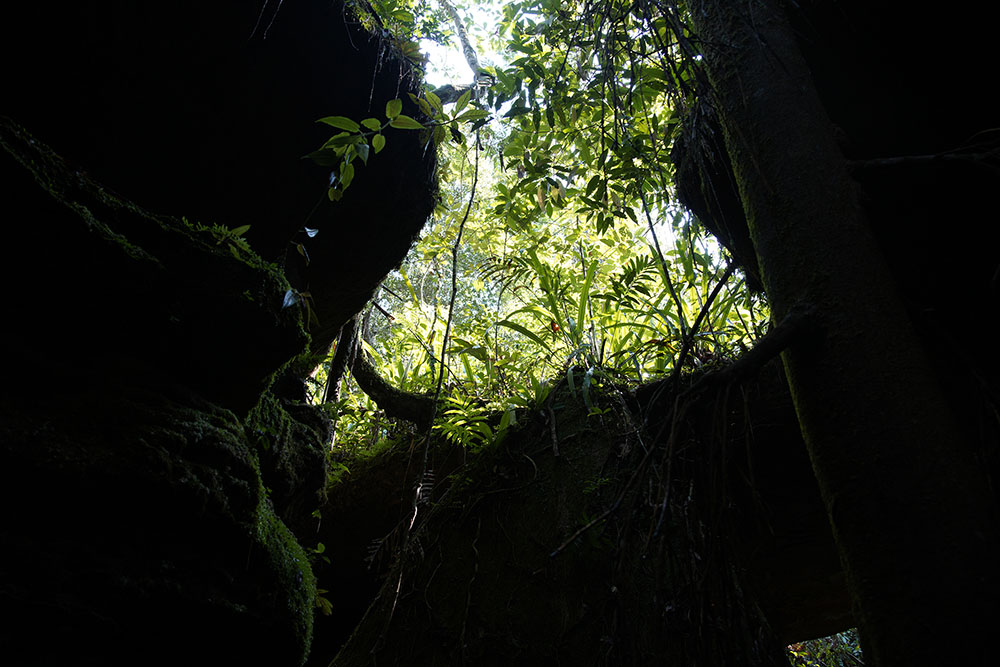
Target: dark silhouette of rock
x=149 y=473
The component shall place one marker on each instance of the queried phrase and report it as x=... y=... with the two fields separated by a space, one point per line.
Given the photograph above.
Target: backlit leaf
x=404 y=122
x=463 y=101
x=341 y=122
x=435 y=101
x=393 y=108
x=346 y=174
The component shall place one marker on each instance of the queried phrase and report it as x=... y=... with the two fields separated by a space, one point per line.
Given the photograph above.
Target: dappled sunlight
x=575 y=252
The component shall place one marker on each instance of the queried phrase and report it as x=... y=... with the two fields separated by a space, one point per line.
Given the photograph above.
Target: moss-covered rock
x=115 y=290
x=206 y=110
x=292 y=440
x=152 y=467
x=145 y=530
x=160 y=545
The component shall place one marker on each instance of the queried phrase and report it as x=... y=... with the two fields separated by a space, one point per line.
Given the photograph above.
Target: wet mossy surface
x=142 y=293
x=158 y=476
x=292 y=440
x=137 y=519
x=206 y=111
x=145 y=509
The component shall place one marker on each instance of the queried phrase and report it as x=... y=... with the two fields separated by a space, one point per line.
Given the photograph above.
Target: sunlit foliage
x=574 y=258
x=840 y=650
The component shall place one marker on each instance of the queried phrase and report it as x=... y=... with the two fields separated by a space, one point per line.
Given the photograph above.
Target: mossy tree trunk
x=910 y=509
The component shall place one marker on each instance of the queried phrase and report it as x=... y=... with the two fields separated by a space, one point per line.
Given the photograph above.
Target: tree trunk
x=910 y=508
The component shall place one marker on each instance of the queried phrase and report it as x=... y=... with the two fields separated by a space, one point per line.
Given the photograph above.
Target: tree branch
x=415 y=408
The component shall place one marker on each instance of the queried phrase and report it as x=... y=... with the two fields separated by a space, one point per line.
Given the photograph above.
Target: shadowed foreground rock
x=151 y=463
x=707 y=540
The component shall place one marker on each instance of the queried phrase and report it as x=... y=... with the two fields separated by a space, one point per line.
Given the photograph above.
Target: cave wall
x=205 y=110
x=497 y=566
x=894 y=102
x=917 y=128
x=153 y=467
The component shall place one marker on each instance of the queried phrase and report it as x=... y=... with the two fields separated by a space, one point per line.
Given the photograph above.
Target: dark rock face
x=494 y=571
x=888 y=96
x=138 y=529
x=121 y=292
x=918 y=131
x=149 y=474
x=205 y=110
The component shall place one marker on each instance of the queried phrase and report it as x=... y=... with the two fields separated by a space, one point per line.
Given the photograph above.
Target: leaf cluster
x=576 y=261
x=359 y=139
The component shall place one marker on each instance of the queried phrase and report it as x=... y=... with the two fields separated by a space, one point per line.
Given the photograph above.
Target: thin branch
x=412 y=407
x=702 y=314
x=663 y=263
x=437 y=392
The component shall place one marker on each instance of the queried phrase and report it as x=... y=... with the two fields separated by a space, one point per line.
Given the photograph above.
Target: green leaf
x=584 y=296
x=469 y=373
x=346 y=174
x=516 y=111
x=424 y=105
x=378 y=142
x=440 y=134
x=463 y=101
x=409 y=286
x=341 y=122
x=302 y=251
x=473 y=114
x=587 y=378
x=509 y=419
x=393 y=108
x=403 y=16
x=240 y=231
x=434 y=101
x=362 y=150
x=404 y=122
x=479 y=353
x=342 y=139
x=524 y=332
x=372 y=124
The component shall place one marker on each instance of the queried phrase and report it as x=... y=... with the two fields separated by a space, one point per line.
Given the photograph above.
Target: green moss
x=133 y=229
x=296 y=578
x=267 y=425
